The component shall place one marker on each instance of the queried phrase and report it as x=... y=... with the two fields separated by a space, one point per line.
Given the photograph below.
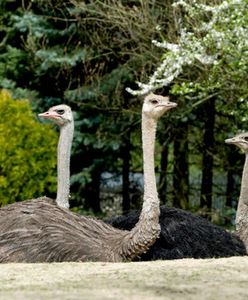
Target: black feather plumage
x=185 y=235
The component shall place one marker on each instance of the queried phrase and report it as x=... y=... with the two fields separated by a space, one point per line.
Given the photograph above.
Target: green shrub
x=27 y=152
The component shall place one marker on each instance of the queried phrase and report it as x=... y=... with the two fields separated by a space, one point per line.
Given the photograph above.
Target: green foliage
x=55 y=57
x=28 y=152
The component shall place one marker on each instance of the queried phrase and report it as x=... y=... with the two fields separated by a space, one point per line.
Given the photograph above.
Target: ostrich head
x=59 y=114
x=240 y=140
x=155 y=105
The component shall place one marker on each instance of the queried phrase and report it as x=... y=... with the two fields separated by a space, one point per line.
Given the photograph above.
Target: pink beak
x=49 y=115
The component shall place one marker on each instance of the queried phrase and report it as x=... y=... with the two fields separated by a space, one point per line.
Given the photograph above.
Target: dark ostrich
x=185 y=235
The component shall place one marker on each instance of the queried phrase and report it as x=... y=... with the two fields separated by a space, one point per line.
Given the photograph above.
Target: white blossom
x=168 y=46
x=223 y=30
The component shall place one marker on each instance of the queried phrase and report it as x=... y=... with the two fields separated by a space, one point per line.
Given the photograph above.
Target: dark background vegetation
x=84 y=54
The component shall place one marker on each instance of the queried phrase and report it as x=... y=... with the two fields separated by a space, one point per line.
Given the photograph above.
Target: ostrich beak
x=171 y=104
x=230 y=141
x=49 y=115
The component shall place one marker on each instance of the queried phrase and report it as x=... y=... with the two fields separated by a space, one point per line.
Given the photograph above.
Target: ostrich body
x=241 y=140
x=41 y=231
x=184 y=234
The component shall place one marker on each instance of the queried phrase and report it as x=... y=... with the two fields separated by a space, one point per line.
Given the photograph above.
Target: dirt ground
x=216 y=279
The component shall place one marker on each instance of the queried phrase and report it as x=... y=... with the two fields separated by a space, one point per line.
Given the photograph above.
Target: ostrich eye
x=246 y=138
x=60 y=111
x=154 y=101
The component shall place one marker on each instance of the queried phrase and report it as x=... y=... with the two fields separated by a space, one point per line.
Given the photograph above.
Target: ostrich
x=241 y=140
x=41 y=231
x=184 y=234
x=63 y=117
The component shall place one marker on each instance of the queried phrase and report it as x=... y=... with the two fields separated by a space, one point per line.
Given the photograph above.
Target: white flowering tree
x=212 y=41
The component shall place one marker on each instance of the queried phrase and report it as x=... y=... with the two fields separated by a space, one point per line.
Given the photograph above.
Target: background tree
x=27 y=164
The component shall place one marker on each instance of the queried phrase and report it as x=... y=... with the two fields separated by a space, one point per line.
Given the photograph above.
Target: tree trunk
x=230 y=185
x=92 y=192
x=232 y=190
x=162 y=190
x=125 y=173
x=181 y=167
x=207 y=159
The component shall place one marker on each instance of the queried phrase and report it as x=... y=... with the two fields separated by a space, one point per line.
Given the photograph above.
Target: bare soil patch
x=225 y=278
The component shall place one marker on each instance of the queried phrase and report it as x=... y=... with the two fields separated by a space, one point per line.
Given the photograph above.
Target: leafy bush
x=28 y=152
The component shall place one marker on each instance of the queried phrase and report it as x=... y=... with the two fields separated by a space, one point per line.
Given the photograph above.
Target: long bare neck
x=242 y=210
x=147 y=230
x=150 y=208
x=63 y=165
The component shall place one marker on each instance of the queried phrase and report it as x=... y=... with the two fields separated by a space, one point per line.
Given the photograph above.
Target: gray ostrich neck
x=242 y=210
x=151 y=201
x=63 y=164
x=147 y=229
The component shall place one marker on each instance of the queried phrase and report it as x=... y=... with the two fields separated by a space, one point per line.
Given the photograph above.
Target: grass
x=190 y=279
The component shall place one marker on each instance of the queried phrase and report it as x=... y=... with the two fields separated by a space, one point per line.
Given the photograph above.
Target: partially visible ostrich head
x=59 y=114
x=155 y=105
x=240 y=140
